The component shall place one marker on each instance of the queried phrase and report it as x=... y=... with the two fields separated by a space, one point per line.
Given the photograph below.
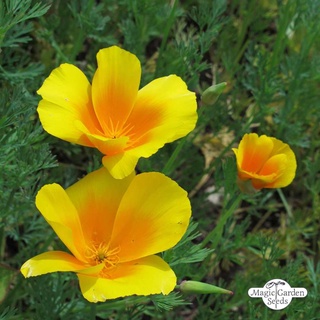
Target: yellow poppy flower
x=113 y=229
x=264 y=161
x=112 y=114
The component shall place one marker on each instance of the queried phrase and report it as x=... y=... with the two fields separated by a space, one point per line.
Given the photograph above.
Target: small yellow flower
x=114 y=229
x=112 y=114
x=264 y=161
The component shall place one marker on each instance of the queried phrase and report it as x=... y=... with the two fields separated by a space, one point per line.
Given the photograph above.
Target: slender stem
x=93 y=311
x=215 y=235
x=285 y=203
x=55 y=45
x=77 y=43
x=168 y=168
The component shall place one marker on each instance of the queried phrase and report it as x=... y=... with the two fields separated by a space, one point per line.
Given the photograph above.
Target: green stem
x=169 y=167
x=56 y=46
x=77 y=44
x=93 y=311
x=285 y=203
x=215 y=235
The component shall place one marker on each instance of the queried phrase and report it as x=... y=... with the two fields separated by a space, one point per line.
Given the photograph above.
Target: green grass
x=268 y=52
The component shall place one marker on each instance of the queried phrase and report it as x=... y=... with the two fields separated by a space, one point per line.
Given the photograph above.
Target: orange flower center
x=101 y=253
x=118 y=130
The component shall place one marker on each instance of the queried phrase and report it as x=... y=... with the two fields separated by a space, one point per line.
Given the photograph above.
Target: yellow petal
x=58 y=210
x=260 y=182
x=165 y=110
x=149 y=275
x=121 y=165
x=107 y=146
x=96 y=198
x=286 y=178
x=271 y=171
x=51 y=261
x=66 y=97
x=244 y=175
x=115 y=86
x=291 y=163
x=280 y=165
x=253 y=152
x=275 y=164
x=152 y=217
x=281 y=147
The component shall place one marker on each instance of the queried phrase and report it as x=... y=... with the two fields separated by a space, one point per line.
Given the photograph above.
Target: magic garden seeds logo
x=277 y=294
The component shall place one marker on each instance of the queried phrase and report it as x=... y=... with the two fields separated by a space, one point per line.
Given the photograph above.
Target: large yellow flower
x=113 y=229
x=264 y=161
x=113 y=115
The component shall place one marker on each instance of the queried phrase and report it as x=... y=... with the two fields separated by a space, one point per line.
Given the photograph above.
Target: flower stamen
x=115 y=131
x=101 y=253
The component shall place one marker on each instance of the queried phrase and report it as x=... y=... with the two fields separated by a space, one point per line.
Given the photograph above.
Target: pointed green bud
x=201 y=288
x=211 y=94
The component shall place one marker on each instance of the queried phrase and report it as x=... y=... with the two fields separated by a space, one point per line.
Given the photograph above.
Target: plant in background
x=114 y=228
x=264 y=162
x=113 y=115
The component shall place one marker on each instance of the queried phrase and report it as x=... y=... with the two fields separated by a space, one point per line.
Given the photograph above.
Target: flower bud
x=201 y=288
x=264 y=162
x=211 y=94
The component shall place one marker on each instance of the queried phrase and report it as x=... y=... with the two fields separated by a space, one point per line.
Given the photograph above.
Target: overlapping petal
x=253 y=152
x=66 y=95
x=96 y=199
x=52 y=261
x=122 y=164
x=108 y=146
x=115 y=86
x=56 y=207
x=289 y=170
x=164 y=111
x=151 y=220
x=149 y=275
